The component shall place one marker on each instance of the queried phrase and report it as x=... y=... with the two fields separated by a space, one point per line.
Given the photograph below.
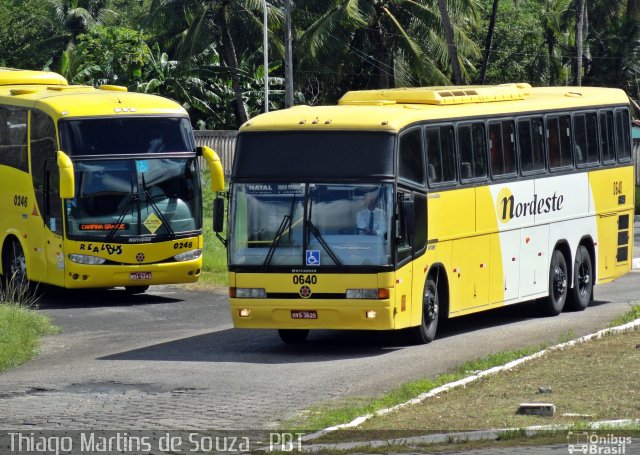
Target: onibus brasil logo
x=510 y=207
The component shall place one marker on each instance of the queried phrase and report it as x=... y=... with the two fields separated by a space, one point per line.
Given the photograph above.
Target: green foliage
x=20 y=325
x=106 y=55
x=208 y=55
x=516 y=60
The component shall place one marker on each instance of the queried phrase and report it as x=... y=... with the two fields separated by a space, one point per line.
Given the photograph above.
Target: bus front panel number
x=20 y=201
x=181 y=245
x=305 y=279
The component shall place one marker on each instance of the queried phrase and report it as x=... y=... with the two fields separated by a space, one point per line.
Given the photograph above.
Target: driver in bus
x=370 y=220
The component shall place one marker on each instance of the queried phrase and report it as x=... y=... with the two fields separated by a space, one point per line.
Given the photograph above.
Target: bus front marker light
x=244 y=313
x=371 y=314
x=251 y=293
x=188 y=255
x=74 y=276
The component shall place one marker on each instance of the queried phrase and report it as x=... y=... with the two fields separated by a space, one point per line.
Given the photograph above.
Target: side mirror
x=215 y=167
x=67 y=176
x=218 y=214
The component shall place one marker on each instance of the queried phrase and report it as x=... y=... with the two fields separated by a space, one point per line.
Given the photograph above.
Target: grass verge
x=20 y=327
x=588 y=382
x=214 y=255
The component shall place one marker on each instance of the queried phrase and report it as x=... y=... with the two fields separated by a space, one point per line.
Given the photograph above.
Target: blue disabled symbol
x=313 y=257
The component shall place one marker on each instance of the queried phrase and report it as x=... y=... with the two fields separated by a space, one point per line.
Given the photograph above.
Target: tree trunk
x=230 y=59
x=381 y=57
x=580 y=7
x=451 y=45
x=488 y=42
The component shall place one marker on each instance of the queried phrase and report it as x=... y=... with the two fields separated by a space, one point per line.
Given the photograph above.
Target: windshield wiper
x=149 y=199
x=286 y=221
x=133 y=197
x=314 y=230
x=112 y=232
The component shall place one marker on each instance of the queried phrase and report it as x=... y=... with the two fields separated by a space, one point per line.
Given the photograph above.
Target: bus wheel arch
x=434 y=306
x=14 y=260
x=583 y=278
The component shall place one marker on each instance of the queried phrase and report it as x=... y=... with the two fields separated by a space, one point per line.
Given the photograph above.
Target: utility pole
x=265 y=50
x=288 y=63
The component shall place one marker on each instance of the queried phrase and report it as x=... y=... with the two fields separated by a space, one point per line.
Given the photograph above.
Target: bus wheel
x=293 y=336
x=553 y=305
x=582 y=291
x=426 y=331
x=15 y=264
x=131 y=290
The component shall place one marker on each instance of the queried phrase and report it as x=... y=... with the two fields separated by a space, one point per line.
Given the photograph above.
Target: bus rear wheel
x=426 y=331
x=554 y=303
x=293 y=336
x=14 y=264
x=582 y=291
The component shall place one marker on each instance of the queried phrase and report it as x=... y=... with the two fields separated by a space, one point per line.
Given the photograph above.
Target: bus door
x=52 y=217
x=411 y=242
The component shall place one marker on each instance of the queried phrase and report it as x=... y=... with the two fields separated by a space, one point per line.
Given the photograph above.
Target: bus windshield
x=311 y=225
x=126 y=135
x=120 y=199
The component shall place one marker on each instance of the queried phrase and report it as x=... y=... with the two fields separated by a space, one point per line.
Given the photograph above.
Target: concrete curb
x=462 y=382
x=466 y=436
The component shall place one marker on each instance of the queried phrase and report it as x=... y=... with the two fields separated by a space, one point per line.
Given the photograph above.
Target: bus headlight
x=248 y=293
x=86 y=259
x=381 y=293
x=188 y=255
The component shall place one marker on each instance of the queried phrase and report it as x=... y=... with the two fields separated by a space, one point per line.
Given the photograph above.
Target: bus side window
x=441 y=165
x=13 y=138
x=502 y=147
x=471 y=149
x=585 y=131
x=43 y=148
x=623 y=134
x=606 y=137
x=531 y=145
x=559 y=141
x=411 y=165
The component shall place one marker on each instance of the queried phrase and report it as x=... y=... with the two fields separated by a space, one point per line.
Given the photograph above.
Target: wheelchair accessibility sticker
x=313 y=257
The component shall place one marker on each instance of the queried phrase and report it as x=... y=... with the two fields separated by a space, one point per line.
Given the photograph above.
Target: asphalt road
x=171 y=360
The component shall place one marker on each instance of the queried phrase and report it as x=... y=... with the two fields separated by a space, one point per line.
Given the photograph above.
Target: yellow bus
x=399 y=207
x=99 y=187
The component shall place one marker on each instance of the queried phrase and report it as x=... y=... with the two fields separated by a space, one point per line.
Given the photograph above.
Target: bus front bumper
x=313 y=314
x=106 y=276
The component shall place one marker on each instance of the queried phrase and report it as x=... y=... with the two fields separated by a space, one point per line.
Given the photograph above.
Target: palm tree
x=488 y=41
x=231 y=26
x=580 y=15
x=395 y=39
x=555 y=19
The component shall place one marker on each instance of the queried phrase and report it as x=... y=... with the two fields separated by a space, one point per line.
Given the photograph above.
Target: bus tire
x=293 y=336
x=426 y=331
x=582 y=291
x=131 y=290
x=558 y=286
x=14 y=264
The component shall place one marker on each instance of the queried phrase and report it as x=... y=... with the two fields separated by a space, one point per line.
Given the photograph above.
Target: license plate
x=307 y=314
x=134 y=276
